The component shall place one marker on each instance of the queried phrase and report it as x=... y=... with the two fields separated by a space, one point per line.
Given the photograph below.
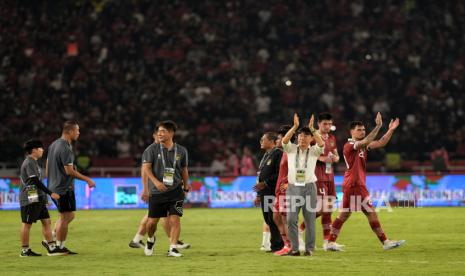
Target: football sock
x=335 y=229
x=61 y=244
x=137 y=238
x=376 y=227
x=326 y=225
x=266 y=238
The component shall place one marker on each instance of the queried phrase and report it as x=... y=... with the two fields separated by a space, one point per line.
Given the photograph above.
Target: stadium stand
x=228 y=70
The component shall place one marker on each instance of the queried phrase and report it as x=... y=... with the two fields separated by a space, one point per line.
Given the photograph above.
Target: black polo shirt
x=153 y=155
x=269 y=170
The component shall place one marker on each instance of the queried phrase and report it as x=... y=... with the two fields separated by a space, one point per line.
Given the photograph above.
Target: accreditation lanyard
x=168 y=173
x=300 y=173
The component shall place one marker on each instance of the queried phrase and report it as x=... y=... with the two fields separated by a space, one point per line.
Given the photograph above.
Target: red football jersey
x=283 y=170
x=320 y=169
x=356 y=161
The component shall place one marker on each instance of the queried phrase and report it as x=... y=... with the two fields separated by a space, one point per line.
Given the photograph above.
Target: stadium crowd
x=226 y=71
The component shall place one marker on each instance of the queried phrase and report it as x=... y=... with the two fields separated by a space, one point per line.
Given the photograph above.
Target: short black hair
x=69 y=125
x=354 y=124
x=305 y=130
x=272 y=136
x=284 y=129
x=324 y=116
x=29 y=145
x=168 y=124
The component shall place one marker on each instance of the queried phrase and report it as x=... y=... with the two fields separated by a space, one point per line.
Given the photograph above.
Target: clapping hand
x=311 y=123
x=394 y=124
x=379 y=119
x=296 y=120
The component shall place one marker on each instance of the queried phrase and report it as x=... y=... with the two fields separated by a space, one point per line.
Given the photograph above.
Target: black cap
x=32 y=144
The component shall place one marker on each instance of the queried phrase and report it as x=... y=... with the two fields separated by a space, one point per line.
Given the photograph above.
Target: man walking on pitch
x=61 y=174
x=137 y=242
x=165 y=164
x=301 y=189
x=33 y=200
x=326 y=189
x=356 y=196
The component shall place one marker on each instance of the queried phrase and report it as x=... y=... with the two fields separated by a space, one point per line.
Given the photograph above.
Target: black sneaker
x=293 y=253
x=139 y=244
x=181 y=245
x=69 y=252
x=29 y=253
x=308 y=253
x=45 y=244
x=57 y=251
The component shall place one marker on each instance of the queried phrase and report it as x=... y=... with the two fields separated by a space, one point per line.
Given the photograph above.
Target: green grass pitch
x=226 y=242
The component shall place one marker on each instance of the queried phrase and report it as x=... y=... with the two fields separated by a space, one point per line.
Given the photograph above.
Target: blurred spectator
x=218 y=166
x=440 y=160
x=123 y=146
x=247 y=163
x=228 y=69
x=232 y=163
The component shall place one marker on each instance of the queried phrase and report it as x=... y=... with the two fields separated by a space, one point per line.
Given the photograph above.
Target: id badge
x=168 y=177
x=258 y=177
x=300 y=178
x=32 y=195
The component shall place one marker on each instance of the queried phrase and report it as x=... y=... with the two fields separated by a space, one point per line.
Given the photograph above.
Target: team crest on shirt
x=268 y=163
x=178 y=157
x=331 y=144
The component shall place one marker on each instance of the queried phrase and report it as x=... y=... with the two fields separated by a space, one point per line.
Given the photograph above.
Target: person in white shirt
x=301 y=191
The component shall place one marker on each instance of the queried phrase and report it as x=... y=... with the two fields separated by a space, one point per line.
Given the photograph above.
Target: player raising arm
x=356 y=196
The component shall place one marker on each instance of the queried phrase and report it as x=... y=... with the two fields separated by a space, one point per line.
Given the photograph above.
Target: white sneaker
x=182 y=245
x=148 y=249
x=388 y=244
x=325 y=245
x=332 y=246
x=173 y=253
x=265 y=247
